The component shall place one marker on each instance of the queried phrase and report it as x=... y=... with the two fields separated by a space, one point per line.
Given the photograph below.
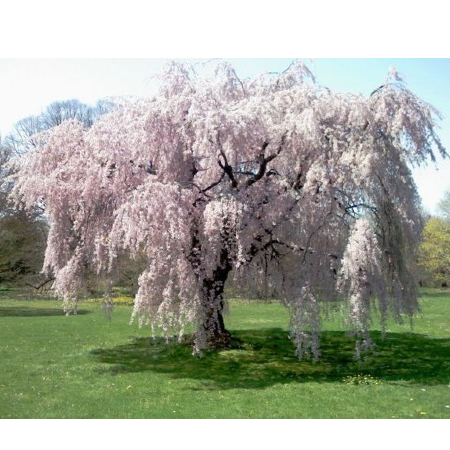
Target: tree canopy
x=275 y=182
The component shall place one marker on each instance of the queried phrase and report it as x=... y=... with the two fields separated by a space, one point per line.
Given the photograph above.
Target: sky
x=27 y=86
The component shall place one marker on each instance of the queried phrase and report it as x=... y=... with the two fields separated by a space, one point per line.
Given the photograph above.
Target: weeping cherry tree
x=276 y=184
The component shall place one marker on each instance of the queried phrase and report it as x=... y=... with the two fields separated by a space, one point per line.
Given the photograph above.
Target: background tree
x=22 y=246
x=22 y=234
x=434 y=253
x=21 y=139
x=444 y=206
x=275 y=182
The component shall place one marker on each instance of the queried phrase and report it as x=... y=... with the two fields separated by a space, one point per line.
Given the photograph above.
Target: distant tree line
x=434 y=252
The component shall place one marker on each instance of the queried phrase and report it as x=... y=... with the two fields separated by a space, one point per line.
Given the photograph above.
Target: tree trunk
x=212 y=332
x=213 y=326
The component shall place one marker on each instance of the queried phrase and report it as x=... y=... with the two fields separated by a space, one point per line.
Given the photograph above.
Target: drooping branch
x=42 y=284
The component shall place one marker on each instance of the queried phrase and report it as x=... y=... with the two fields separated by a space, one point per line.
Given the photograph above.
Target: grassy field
x=53 y=366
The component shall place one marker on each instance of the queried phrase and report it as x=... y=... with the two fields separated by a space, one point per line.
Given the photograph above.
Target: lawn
x=53 y=366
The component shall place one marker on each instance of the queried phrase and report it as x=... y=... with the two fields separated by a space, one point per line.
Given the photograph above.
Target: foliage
x=434 y=253
x=22 y=234
x=22 y=245
x=275 y=182
x=85 y=367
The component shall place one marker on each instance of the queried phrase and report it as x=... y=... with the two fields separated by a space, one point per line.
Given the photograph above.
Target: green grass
x=53 y=366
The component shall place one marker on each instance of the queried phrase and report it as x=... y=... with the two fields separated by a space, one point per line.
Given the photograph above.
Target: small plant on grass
x=362 y=379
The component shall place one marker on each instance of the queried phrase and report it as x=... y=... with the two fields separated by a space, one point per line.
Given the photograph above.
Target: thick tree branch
x=266 y=160
x=224 y=165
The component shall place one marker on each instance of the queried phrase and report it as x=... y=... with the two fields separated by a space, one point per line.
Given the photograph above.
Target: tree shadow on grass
x=262 y=358
x=24 y=311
